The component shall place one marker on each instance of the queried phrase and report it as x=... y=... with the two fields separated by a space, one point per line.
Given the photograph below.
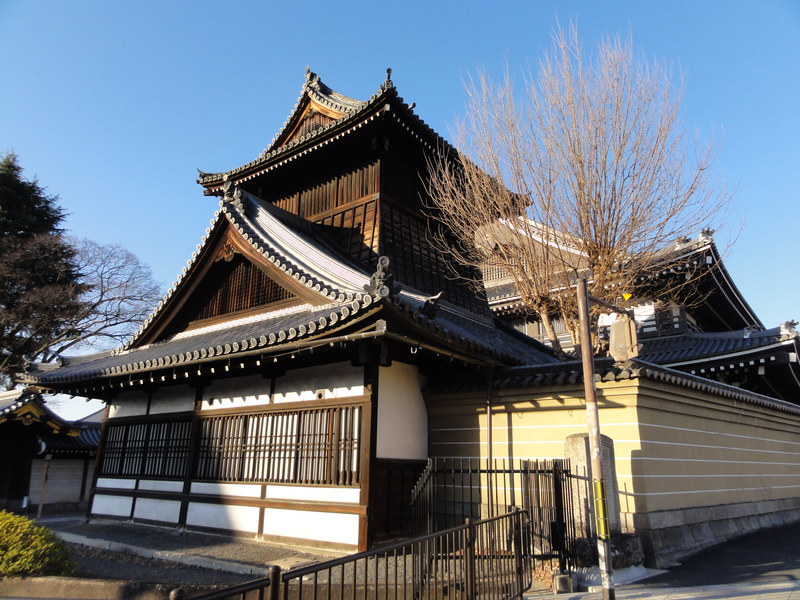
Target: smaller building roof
x=57 y=435
x=28 y=408
x=692 y=347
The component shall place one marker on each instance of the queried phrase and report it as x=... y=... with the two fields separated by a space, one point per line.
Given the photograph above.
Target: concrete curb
x=84 y=589
x=192 y=560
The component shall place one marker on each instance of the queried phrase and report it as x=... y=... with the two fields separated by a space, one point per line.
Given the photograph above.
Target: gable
x=230 y=279
x=313 y=117
x=233 y=284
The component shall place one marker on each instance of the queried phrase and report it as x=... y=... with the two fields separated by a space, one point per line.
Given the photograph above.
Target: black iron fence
x=453 y=489
x=489 y=559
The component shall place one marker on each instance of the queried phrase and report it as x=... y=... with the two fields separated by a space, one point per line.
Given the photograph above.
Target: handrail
x=504 y=571
x=242 y=588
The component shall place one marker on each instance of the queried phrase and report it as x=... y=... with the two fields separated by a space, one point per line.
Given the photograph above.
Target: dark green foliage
x=40 y=288
x=25 y=209
x=29 y=549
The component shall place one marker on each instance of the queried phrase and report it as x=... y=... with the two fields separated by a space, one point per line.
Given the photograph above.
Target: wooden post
x=47 y=460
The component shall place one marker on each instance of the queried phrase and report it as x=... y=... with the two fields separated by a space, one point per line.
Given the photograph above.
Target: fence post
x=559 y=528
x=274 y=572
x=517 y=524
x=469 y=559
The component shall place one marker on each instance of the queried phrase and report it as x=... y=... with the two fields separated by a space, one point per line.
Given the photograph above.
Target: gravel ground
x=102 y=564
x=94 y=563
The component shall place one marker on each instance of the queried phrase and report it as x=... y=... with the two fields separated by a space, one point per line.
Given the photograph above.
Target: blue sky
x=115 y=105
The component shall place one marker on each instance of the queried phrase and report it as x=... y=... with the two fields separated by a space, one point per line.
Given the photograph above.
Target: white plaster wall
x=220 y=516
x=178 y=398
x=114 y=506
x=161 y=486
x=164 y=511
x=339 y=380
x=402 y=416
x=227 y=489
x=324 y=527
x=236 y=392
x=116 y=484
x=314 y=493
x=128 y=404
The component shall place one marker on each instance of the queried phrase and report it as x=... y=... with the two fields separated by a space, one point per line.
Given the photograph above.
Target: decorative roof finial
x=788 y=327
x=706 y=234
x=231 y=193
x=381 y=279
x=388 y=83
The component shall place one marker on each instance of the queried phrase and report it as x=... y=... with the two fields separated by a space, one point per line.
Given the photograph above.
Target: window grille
x=155 y=449
x=313 y=446
x=319 y=446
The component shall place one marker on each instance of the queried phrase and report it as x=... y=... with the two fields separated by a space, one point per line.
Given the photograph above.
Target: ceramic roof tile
x=668 y=350
x=525 y=377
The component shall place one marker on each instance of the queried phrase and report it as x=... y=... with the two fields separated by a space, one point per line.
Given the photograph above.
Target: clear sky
x=115 y=105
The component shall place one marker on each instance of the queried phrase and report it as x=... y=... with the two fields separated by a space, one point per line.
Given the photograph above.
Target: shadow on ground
x=769 y=555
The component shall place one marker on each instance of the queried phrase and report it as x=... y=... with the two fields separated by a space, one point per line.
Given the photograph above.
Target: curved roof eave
x=275 y=156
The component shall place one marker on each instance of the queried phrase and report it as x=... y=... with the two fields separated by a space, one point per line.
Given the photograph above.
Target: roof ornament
x=431 y=307
x=681 y=241
x=788 y=327
x=311 y=77
x=226 y=253
x=388 y=83
x=706 y=234
x=750 y=330
x=232 y=193
x=380 y=280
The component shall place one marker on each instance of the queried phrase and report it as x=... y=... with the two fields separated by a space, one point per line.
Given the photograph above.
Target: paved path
x=787 y=590
x=759 y=566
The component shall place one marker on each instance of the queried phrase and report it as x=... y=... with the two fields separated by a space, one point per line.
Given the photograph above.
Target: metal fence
x=453 y=489
x=482 y=560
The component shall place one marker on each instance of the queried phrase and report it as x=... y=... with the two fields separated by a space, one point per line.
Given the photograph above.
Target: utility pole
x=592 y=414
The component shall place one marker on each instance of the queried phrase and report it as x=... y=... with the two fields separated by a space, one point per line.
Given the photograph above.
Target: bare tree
x=120 y=292
x=587 y=173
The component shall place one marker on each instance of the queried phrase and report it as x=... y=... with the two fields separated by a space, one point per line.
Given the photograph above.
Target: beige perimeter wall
x=692 y=468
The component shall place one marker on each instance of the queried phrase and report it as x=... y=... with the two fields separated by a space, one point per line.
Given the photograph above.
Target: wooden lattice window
x=156 y=449
x=318 y=446
x=236 y=285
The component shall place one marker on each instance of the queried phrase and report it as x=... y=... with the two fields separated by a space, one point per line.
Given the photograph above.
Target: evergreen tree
x=40 y=282
x=25 y=209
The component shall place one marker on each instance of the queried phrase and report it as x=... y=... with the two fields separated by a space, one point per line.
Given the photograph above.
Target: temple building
x=317 y=351
x=277 y=390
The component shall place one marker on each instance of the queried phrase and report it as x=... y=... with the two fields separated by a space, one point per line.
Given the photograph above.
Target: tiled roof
x=730 y=306
x=571 y=373
x=30 y=407
x=288 y=243
x=259 y=332
x=474 y=334
x=692 y=347
x=300 y=251
x=86 y=442
x=354 y=112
